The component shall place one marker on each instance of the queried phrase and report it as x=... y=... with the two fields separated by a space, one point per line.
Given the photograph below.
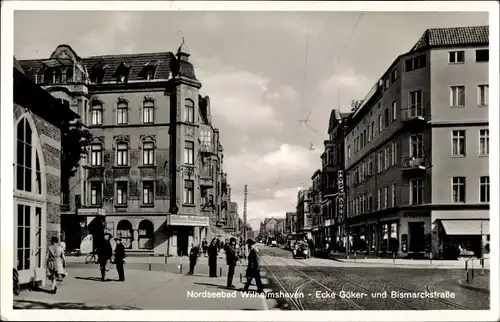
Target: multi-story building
x=417 y=149
x=142 y=178
x=304 y=219
x=290 y=224
x=333 y=176
x=232 y=219
x=40 y=123
x=317 y=229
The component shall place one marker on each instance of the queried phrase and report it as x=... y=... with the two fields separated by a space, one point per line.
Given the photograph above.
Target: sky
x=263 y=71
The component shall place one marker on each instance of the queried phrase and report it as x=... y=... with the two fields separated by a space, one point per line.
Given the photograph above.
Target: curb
x=462 y=283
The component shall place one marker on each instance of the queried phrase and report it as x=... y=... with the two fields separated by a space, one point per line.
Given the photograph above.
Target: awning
x=466 y=227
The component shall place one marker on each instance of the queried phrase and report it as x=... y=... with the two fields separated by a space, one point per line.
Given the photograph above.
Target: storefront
x=92 y=223
x=186 y=230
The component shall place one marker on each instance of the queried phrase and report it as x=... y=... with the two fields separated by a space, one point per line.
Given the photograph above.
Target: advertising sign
x=340 y=183
x=186 y=220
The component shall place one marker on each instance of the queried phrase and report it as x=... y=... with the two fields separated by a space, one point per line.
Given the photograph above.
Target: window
x=368 y=133
x=416 y=191
x=482 y=55
x=484 y=193
x=483 y=92
x=349 y=151
x=379 y=162
x=38 y=176
x=148 y=192
x=370 y=166
x=416 y=145
x=387 y=83
x=457 y=96
x=148 y=153
x=394 y=111
x=394 y=153
x=95 y=193
x=394 y=75
x=458 y=143
x=189 y=152
x=386 y=117
x=484 y=142
x=393 y=195
x=122 y=154
x=122 y=113
x=189 y=111
x=387 y=157
x=458 y=186
x=415 y=63
x=121 y=192
x=148 y=108
x=380 y=123
x=379 y=198
x=386 y=197
x=456 y=57
x=188 y=192
x=96 y=154
x=38 y=236
x=96 y=113
x=24 y=151
x=415 y=103
x=23 y=237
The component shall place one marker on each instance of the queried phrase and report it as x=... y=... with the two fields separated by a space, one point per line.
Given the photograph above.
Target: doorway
x=183 y=237
x=417 y=237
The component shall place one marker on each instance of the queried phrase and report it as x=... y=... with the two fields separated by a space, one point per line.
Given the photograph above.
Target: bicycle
x=91 y=258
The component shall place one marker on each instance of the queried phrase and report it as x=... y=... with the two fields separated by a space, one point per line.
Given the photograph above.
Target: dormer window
x=97 y=74
x=58 y=76
x=69 y=75
x=148 y=71
x=122 y=72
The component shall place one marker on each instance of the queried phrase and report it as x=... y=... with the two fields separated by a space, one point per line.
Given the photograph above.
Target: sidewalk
x=416 y=263
x=479 y=283
x=83 y=289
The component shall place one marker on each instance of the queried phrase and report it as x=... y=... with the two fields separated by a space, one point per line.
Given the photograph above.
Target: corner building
x=124 y=186
x=417 y=166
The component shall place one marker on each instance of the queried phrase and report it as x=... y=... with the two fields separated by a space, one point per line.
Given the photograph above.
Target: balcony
x=413 y=164
x=206 y=178
x=206 y=149
x=414 y=115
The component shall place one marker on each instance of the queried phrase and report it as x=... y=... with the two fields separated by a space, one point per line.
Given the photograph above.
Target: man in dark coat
x=204 y=246
x=193 y=257
x=120 y=258
x=212 y=258
x=231 y=259
x=253 y=268
x=105 y=252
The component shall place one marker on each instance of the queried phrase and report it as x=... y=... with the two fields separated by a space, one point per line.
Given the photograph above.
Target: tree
x=75 y=140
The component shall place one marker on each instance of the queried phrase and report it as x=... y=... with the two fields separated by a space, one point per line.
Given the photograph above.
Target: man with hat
x=253 y=268
x=120 y=258
x=232 y=260
x=104 y=253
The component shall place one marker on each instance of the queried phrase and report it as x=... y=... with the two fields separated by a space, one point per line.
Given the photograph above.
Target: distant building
x=318 y=220
x=290 y=223
x=416 y=161
x=304 y=219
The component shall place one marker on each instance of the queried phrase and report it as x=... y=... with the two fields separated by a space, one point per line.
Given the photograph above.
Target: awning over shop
x=466 y=227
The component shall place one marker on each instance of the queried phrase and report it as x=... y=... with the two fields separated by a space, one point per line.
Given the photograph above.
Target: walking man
x=105 y=251
x=120 y=259
x=253 y=268
x=231 y=259
x=193 y=257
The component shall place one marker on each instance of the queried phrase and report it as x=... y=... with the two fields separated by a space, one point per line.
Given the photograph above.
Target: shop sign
x=340 y=183
x=187 y=220
x=413 y=214
x=91 y=212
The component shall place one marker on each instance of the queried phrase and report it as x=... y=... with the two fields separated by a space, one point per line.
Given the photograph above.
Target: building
x=417 y=149
x=232 y=219
x=304 y=219
x=317 y=229
x=272 y=227
x=40 y=121
x=150 y=146
x=333 y=180
x=290 y=218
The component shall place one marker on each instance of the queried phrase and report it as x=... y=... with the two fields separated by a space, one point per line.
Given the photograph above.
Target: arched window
x=122 y=112
x=148 y=107
x=125 y=232
x=96 y=113
x=189 y=111
x=24 y=161
x=69 y=75
x=96 y=154
x=146 y=234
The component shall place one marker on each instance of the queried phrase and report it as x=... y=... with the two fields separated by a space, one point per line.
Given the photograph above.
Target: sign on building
x=340 y=182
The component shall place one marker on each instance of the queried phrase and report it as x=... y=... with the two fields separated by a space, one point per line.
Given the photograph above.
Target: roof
x=17 y=66
x=165 y=63
x=473 y=35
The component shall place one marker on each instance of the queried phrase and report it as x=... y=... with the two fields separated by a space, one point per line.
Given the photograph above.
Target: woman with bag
x=56 y=263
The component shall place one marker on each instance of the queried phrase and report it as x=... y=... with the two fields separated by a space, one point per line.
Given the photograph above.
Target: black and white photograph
x=276 y=157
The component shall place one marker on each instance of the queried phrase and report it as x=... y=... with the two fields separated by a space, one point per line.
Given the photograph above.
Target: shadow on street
x=26 y=305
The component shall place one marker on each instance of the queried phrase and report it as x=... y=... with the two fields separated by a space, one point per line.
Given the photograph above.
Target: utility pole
x=245 y=214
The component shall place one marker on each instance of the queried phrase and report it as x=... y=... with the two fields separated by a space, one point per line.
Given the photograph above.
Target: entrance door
x=29 y=242
x=417 y=237
x=182 y=241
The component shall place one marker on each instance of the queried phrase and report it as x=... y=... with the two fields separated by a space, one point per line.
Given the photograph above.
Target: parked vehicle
x=274 y=243
x=302 y=250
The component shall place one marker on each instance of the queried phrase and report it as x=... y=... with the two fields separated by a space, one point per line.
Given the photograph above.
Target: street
x=324 y=284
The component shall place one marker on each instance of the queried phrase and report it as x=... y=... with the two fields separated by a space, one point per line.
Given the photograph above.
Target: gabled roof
x=436 y=37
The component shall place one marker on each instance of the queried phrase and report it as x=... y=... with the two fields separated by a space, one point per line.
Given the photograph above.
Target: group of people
x=233 y=255
x=56 y=262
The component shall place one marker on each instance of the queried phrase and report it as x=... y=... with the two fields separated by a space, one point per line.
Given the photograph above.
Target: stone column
x=135 y=240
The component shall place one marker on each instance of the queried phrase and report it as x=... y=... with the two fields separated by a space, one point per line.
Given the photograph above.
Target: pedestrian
x=204 y=246
x=231 y=260
x=55 y=263
x=253 y=268
x=120 y=259
x=105 y=252
x=212 y=258
x=193 y=258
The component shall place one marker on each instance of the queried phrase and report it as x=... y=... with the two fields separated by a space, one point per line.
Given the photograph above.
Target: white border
x=7 y=159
